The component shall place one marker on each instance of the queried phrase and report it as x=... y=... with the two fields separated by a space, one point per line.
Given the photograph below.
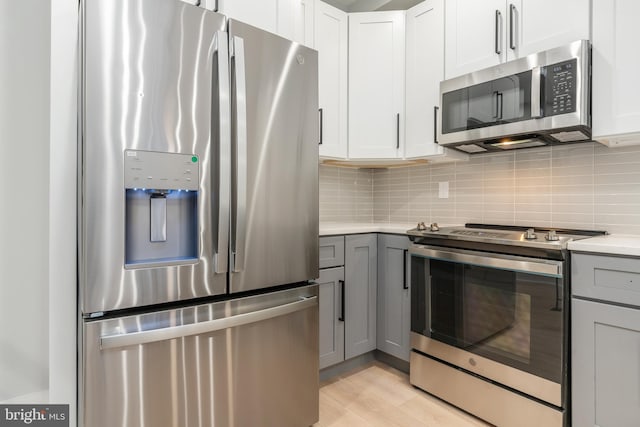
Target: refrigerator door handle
x=164 y=334
x=239 y=133
x=224 y=153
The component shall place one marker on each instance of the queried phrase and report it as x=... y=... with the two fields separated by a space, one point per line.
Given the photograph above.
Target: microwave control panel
x=560 y=87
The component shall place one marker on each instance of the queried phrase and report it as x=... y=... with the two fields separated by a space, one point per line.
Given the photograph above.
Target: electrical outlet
x=443 y=190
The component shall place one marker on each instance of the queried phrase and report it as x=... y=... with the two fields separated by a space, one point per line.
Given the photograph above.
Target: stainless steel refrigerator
x=198 y=220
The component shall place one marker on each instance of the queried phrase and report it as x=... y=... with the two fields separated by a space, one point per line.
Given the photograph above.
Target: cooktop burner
x=536 y=237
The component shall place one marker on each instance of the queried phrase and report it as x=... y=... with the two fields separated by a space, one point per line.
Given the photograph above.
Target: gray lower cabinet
x=331 y=251
x=605 y=350
x=347 y=297
x=394 y=304
x=331 y=286
x=360 y=294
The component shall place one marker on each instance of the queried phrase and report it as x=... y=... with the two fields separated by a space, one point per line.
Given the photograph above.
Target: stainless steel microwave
x=541 y=99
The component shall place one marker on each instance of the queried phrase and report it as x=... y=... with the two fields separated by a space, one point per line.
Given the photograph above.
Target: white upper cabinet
x=305 y=22
x=480 y=34
x=616 y=64
x=331 y=32
x=424 y=71
x=474 y=35
x=537 y=25
x=287 y=18
x=376 y=84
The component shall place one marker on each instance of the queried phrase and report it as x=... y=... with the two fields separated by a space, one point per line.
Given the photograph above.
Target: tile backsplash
x=575 y=186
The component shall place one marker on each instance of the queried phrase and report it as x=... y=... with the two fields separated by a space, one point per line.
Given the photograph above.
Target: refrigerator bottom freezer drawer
x=246 y=362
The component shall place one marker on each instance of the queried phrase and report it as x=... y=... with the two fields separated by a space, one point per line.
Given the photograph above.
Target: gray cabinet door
x=606 y=372
x=394 y=306
x=331 y=251
x=360 y=294
x=330 y=291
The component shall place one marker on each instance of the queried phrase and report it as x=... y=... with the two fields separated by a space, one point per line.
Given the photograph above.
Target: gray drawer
x=606 y=278
x=331 y=251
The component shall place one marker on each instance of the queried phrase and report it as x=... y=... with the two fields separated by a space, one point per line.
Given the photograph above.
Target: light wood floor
x=378 y=395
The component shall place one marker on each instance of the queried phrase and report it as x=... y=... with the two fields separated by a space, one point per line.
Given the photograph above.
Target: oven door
x=499 y=316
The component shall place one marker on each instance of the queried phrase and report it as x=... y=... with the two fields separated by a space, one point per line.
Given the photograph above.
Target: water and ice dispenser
x=161 y=191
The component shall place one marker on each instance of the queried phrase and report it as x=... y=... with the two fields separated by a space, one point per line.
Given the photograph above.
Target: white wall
x=62 y=205
x=24 y=182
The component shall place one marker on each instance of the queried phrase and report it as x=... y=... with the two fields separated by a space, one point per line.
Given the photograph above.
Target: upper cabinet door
x=480 y=34
x=616 y=61
x=536 y=25
x=376 y=84
x=304 y=22
x=287 y=18
x=475 y=35
x=331 y=32
x=425 y=70
x=262 y=14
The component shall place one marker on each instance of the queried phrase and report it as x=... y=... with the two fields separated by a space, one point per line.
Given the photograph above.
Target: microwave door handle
x=536 y=105
x=173 y=332
x=499 y=102
x=223 y=153
x=239 y=95
x=496 y=106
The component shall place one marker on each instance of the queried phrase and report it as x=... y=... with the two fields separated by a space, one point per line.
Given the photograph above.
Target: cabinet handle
x=435 y=124
x=398 y=131
x=512 y=25
x=321 y=116
x=405 y=285
x=215 y=6
x=341 y=318
x=197 y=3
x=498 y=50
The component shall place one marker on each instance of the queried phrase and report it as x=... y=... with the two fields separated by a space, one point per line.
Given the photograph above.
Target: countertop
x=613 y=244
x=339 y=228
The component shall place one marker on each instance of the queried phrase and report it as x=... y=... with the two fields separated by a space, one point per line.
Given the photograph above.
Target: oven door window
x=511 y=317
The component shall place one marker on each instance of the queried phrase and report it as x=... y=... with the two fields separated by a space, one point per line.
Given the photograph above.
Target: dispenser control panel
x=161 y=171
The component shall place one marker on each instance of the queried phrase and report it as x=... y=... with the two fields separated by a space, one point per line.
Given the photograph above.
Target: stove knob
x=530 y=234
x=434 y=227
x=552 y=236
x=421 y=226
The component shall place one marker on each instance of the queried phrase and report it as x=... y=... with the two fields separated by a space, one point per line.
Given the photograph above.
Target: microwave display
x=559 y=81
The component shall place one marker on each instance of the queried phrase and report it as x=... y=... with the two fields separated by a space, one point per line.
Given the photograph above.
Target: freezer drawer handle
x=155 y=335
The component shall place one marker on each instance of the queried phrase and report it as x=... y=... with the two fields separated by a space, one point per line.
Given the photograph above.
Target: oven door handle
x=503 y=262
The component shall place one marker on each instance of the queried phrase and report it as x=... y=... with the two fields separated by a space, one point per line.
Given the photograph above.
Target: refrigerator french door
x=275 y=200
x=198 y=187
